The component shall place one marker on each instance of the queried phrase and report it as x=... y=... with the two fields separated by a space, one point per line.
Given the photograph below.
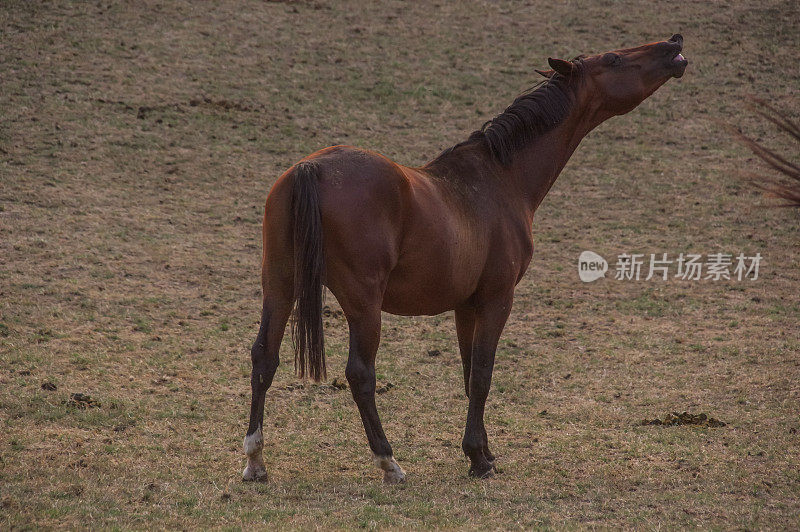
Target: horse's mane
x=533 y=113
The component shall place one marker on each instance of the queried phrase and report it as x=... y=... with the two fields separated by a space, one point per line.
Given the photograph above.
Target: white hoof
x=392 y=472
x=255 y=470
x=254 y=473
x=394 y=477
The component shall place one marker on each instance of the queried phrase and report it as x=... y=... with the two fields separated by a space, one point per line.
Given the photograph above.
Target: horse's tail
x=309 y=269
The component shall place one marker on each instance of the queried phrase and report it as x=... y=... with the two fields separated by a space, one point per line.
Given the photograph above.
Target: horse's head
x=616 y=82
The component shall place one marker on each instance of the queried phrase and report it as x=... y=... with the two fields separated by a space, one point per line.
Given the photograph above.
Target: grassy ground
x=137 y=144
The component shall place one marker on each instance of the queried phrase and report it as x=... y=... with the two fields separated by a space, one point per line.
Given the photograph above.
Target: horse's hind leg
x=264 y=356
x=365 y=332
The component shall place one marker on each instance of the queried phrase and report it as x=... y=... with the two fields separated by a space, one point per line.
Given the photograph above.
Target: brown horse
x=454 y=234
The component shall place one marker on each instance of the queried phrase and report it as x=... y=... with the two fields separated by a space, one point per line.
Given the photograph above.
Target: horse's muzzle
x=677 y=63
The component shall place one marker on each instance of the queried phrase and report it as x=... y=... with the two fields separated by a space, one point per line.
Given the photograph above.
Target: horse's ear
x=559 y=65
x=546 y=73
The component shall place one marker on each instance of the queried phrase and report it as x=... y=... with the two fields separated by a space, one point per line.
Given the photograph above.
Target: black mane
x=533 y=113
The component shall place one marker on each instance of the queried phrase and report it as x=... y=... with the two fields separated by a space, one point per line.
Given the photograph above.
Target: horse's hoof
x=481 y=473
x=254 y=473
x=392 y=472
x=395 y=476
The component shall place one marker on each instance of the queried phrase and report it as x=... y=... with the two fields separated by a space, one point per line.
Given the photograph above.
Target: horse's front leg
x=465 y=330
x=490 y=318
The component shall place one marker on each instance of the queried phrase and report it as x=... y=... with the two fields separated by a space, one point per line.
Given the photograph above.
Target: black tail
x=309 y=268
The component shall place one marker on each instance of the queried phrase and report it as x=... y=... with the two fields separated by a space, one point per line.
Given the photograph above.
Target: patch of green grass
x=142 y=325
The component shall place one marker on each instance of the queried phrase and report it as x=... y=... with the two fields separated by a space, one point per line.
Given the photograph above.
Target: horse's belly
x=416 y=299
x=427 y=287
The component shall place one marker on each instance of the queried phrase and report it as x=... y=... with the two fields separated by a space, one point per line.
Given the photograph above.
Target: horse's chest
x=511 y=250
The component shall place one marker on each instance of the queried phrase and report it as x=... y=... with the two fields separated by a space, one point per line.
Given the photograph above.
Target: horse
x=454 y=234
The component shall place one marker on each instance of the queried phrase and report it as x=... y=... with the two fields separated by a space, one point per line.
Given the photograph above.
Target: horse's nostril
x=676 y=38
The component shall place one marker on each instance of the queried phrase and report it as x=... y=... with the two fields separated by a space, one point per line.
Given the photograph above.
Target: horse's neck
x=536 y=167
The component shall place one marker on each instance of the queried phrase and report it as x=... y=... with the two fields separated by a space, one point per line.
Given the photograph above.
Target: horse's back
x=412 y=223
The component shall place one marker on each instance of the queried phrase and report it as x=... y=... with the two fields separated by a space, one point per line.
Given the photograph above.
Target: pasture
x=137 y=145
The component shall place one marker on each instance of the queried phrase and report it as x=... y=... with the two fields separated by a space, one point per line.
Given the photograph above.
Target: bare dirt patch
x=685 y=418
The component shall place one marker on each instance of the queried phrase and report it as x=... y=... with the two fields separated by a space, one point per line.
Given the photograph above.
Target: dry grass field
x=138 y=141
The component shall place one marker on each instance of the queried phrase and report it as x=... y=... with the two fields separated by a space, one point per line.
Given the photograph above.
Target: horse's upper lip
x=675 y=57
x=676 y=45
x=678 y=48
